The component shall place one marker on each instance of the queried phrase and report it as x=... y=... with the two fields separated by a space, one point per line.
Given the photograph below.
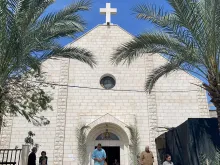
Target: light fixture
x=106 y=134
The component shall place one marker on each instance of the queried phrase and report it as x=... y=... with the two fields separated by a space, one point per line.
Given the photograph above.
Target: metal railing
x=10 y=156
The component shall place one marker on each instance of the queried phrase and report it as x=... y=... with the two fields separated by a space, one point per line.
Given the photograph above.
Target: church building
x=107 y=99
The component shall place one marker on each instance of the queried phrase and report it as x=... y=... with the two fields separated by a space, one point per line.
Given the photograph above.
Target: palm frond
x=79 y=54
x=190 y=33
x=25 y=14
x=28 y=36
x=182 y=25
x=134 y=143
x=152 y=13
x=23 y=38
x=147 y=43
x=159 y=72
x=65 y=22
x=81 y=142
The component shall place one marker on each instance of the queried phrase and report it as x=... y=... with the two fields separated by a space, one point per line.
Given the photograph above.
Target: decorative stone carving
x=152 y=110
x=61 y=113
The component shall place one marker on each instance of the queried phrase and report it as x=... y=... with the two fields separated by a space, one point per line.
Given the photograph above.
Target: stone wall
x=172 y=101
x=178 y=98
x=6 y=131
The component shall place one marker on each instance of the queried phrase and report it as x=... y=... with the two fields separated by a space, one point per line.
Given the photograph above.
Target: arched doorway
x=113 y=139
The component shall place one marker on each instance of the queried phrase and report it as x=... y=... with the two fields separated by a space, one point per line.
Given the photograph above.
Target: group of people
x=99 y=157
x=32 y=157
x=146 y=157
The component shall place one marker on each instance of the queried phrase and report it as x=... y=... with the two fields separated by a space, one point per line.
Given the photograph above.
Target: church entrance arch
x=114 y=140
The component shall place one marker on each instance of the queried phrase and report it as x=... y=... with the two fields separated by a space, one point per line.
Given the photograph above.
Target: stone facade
x=6 y=132
x=80 y=99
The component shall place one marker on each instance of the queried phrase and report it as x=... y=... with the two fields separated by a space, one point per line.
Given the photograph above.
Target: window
x=107 y=136
x=107 y=82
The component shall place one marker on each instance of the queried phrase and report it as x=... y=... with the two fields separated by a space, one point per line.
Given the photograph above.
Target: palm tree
x=134 y=143
x=189 y=37
x=29 y=36
x=81 y=143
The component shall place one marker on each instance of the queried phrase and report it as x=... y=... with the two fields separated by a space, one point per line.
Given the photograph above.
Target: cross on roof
x=108 y=11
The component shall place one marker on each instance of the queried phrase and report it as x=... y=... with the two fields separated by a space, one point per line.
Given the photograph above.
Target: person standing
x=116 y=162
x=44 y=161
x=146 y=157
x=99 y=155
x=43 y=157
x=32 y=156
x=168 y=160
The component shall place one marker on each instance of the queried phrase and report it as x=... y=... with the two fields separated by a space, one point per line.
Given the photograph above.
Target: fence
x=10 y=156
x=14 y=156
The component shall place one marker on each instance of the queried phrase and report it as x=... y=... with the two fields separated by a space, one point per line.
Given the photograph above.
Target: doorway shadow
x=112 y=153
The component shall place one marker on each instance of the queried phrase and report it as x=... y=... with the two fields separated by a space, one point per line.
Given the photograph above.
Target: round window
x=107 y=82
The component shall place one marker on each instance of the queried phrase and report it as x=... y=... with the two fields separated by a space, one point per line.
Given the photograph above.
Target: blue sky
x=124 y=17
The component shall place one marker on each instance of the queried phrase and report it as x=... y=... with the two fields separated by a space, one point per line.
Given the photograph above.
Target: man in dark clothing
x=32 y=157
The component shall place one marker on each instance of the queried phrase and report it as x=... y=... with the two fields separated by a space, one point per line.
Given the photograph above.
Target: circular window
x=107 y=82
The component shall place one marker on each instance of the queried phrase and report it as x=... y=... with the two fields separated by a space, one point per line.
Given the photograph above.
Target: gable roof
x=85 y=34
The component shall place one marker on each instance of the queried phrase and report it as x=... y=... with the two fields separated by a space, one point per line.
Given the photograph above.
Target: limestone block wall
x=178 y=98
x=5 y=134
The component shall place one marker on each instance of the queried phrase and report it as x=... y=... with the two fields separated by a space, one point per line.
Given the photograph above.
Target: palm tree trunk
x=2 y=107
x=217 y=105
x=213 y=90
x=1 y=123
x=218 y=116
